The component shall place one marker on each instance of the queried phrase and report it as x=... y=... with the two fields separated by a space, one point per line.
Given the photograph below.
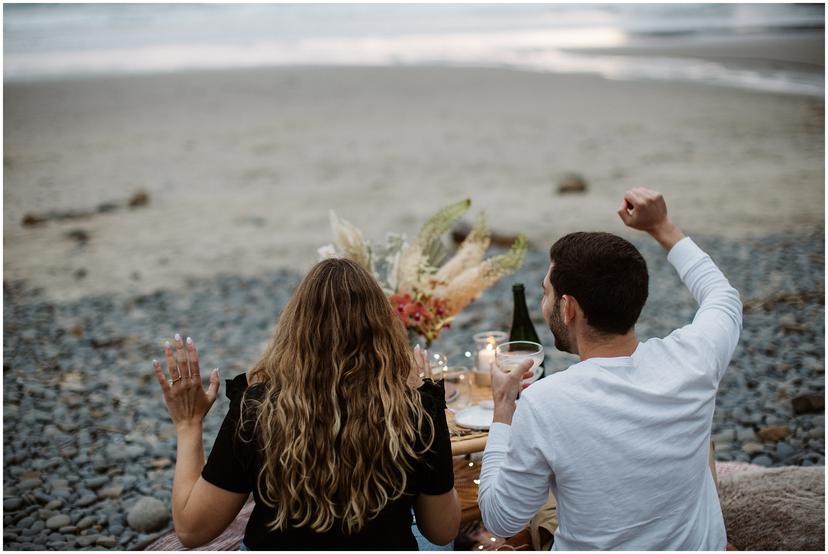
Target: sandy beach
x=243 y=166
x=239 y=169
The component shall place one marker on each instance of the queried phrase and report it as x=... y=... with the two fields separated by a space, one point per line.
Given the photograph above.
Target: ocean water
x=45 y=41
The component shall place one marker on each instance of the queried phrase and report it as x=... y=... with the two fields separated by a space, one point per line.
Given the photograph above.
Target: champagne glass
x=458 y=383
x=439 y=365
x=510 y=355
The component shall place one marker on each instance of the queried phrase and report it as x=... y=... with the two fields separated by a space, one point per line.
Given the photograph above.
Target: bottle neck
x=521 y=311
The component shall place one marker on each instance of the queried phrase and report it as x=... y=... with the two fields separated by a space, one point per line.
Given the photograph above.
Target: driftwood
x=799 y=298
x=462 y=230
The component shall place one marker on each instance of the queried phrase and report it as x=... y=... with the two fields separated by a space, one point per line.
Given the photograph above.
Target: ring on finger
x=174 y=381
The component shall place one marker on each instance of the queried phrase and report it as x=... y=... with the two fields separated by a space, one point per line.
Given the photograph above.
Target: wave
x=58 y=41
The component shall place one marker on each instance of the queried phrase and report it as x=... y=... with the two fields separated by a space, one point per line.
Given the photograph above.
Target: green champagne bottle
x=522 y=327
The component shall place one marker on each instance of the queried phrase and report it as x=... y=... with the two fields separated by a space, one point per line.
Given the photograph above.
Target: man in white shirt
x=622 y=437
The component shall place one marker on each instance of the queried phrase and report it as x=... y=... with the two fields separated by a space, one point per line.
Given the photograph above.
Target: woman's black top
x=233 y=465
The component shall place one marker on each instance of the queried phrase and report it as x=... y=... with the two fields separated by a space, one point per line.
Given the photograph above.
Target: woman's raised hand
x=421 y=368
x=186 y=399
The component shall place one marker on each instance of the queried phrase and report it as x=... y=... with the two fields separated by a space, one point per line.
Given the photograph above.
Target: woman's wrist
x=189 y=426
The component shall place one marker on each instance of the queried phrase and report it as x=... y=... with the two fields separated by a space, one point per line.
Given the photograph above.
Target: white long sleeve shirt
x=623 y=442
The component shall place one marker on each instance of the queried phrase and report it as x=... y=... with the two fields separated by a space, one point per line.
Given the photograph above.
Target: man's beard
x=558 y=328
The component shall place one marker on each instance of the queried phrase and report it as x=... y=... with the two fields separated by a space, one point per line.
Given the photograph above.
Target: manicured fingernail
x=417 y=348
x=167 y=344
x=177 y=337
x=189 y=340
x=155 y=362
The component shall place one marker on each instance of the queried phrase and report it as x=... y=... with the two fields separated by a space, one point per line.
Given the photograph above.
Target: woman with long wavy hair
x=332 y=437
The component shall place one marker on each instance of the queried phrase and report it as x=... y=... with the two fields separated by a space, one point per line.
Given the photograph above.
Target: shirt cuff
x=684 y=255
x=498 y=440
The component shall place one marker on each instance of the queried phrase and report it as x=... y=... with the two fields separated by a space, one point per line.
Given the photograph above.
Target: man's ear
x=570 y=308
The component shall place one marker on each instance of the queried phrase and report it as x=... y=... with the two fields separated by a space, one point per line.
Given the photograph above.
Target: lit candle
x=486 y=357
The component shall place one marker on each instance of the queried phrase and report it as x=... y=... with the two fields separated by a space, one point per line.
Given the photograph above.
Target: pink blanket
x=232 y=536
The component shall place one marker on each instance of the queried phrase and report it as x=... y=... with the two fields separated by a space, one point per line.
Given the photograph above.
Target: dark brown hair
x=606 y=275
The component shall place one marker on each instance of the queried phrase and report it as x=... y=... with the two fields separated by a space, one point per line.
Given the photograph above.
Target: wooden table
x=466 y=479
x=466 y=467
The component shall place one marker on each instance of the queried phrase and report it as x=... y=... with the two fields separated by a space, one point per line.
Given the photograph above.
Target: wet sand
x=242 y=166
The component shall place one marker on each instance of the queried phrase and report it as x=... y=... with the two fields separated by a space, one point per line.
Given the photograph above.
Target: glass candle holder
x=484 y=348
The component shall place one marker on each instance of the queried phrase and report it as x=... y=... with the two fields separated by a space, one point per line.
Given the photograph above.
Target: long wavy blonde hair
x=338 y=424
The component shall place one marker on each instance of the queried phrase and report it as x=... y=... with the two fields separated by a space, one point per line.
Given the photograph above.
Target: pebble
x=762 y=460
x=86 y=500
x=148 y=514
x=45 y=514
x=744 y=434
x=58 y=521
x=62 y=493
x=113 y=491
x=27 y=521
x=86 y=522
x=106 y=542
x=784 y=450
x=86 y=540
x=96 y=482
x=110 y=432
x=116 y=529
x=752 y=448
x=126 y=537
x=134 y=451
x=28 y=484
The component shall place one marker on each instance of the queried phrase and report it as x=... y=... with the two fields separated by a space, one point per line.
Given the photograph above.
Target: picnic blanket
x=764 y=509
x=775 y=509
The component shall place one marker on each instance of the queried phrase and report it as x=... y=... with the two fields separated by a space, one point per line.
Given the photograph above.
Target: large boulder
x=572 y=183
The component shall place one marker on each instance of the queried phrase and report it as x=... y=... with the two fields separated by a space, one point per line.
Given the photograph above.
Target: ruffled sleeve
x=436 y=390
x=229 y=465
x=435 y=471
x=236 y=386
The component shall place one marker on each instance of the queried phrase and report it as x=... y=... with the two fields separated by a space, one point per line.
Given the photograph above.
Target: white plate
x=475 y=417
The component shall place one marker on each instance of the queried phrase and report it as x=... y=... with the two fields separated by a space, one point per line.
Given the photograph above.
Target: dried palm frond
x=426 y=296
x=350 y=242
x=415 y=267
x=326 y=252
x=470 y=252
x=468 y=285
x=506 y=264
